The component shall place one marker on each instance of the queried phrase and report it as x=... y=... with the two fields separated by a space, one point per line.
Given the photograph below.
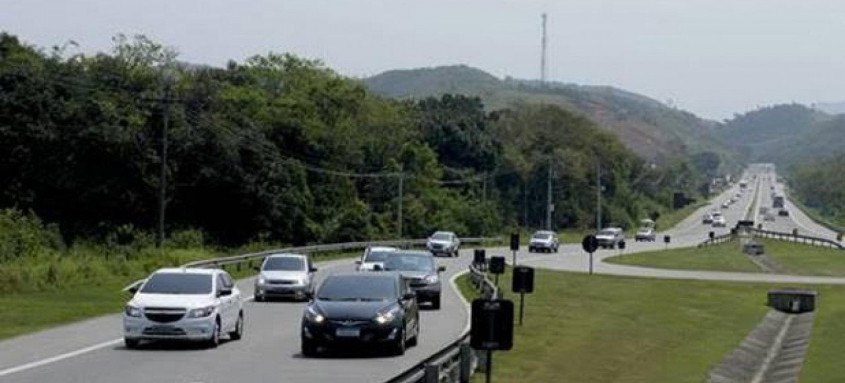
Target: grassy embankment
x=795 y=258
x=582 y=328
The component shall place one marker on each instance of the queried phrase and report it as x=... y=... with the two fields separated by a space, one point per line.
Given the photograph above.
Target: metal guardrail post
x=466 y=363
x=432 y=373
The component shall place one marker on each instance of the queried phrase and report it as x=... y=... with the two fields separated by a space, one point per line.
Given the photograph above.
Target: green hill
x=654 y=131
x=788 y=135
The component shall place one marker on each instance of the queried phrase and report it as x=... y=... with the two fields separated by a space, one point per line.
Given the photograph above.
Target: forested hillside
x=787 y=135
x=284 y=149
x=654 y=131
x=821 y=186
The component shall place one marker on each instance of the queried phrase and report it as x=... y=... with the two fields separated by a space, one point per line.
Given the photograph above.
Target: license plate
x=348 y=332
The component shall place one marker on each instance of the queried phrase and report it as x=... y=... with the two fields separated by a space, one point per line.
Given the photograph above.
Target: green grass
x=722 y=257
x=795 y=258
x=582 y=328
x=669 y=219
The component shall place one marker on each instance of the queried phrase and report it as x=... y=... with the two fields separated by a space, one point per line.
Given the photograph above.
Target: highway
x=93 y=351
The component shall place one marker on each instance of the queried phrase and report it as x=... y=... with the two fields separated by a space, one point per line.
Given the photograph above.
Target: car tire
x=435 y=302
x=399 y=345
x=309 y=348
x=239 y=328
x=258 y=298
x=214 y=341
x=416 y=339
x=131 y=343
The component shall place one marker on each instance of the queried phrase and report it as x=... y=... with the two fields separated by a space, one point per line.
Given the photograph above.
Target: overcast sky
x=712 y=57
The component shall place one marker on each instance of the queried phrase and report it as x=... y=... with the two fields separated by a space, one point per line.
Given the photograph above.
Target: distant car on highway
x=361 y=309
x=719 y=221
x=707 y=219
x=645 y=234
x=444 y=242
x=285 y=276
x=610 y=237
x=421 y=271
x=188 y=304
x=726 y=204
x=374 y=257
x=544 y=240
x=783 y=213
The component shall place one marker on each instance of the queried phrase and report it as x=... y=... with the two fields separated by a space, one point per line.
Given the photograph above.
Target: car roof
x=422 y=253
x=186 y=270
x=612 y=229
x=286 y=255
x=543 y=232
x=365 y=275
x=444 y=232
x=381 y=248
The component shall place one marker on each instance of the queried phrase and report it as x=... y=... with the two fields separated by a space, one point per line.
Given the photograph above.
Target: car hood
x=350 y=310
x=538 y=240
x=443 y=243
x=172 y=300
x=414 y=274
x=644 y=232
x=283 y=274
x=605 y=236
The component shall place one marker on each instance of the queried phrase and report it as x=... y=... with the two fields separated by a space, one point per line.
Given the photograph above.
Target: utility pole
x=162 y=179
x=401 y=197
x=598 y=196
x=549 y=206
x=543 y=54
x=484 y=187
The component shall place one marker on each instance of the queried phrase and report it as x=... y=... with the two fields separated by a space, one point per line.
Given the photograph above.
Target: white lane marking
x=467 y=306
x=68 y=355
x=42 y=362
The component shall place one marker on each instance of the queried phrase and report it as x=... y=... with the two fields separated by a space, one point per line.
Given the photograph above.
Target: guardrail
x=791 y=237
x=223 y=261
x=457 y=361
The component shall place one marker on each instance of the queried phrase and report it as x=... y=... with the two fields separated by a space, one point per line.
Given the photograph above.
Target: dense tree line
x=821 y=186
x=284 y=149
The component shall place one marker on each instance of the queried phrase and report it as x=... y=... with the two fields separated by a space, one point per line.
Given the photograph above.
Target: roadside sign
x=590 y=244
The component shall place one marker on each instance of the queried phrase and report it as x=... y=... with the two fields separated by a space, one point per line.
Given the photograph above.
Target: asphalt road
x=269 y=350
x=92 y=350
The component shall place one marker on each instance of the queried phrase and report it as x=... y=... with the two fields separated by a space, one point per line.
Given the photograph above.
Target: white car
x=719 y=221
x=444 y=242
x=285 y=276
x=373 y=258
x=610 y=237
x=544 y=241
x=188 y=304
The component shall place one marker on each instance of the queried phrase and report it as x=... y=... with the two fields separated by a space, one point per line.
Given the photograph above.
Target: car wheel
x=131 y=343
x=309 y=348
x=399 y=346
x=239 y=328
x=435 y=302
x=258 y=298
x=214 y=341
x=415 y=340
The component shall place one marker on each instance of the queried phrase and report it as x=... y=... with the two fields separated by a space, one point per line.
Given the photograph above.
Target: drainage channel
x=774 y=351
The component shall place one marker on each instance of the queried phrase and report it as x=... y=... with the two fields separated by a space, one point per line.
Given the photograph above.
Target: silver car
x=444 y=242
x=544 y=241
x=285 y=276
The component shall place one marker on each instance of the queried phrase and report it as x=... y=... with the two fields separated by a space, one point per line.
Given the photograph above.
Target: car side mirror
x=441 y=269
x=408 y=296
x=358 y=262
x=313 y=270
x=377 y=267
x=133 y=289
x=224 y=292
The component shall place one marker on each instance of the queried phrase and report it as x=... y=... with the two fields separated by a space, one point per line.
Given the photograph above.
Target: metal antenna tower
x=543 y=54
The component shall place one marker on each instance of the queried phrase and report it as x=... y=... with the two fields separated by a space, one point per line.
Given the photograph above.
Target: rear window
x=542 y=236
x=178 y=283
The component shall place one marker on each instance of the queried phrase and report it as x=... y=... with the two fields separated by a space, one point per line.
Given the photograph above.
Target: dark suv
x=361 y=308
x=420 y=270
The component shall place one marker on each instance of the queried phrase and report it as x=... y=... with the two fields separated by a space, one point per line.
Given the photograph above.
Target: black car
x=361 y=308
x=420 y=270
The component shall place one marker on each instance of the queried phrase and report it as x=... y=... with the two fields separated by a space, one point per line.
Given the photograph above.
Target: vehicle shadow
x=349 y=352
x=169 y=345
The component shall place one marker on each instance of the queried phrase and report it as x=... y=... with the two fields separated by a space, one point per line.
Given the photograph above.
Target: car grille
x=164 y=314
x=437 y=246
x=349 y=322
x=417 y=282
x=164 y=331
x=281 y=282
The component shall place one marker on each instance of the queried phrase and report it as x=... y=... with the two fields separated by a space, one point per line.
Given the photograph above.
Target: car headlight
x=312 y=315
x=431 y=278
x=132 y=311
x=262 y=280
x=201 y=312
x=387 y=316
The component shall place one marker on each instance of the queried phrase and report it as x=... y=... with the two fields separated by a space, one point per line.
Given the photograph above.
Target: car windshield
x=441 y=237
x=284 y=264
x=377 y=256
x=607 y=232
x=542 y=236
x=408 y=262
x=358 y=288
x=178 y=283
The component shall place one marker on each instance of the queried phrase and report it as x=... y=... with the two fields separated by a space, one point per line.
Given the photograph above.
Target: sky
x=711 y=57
